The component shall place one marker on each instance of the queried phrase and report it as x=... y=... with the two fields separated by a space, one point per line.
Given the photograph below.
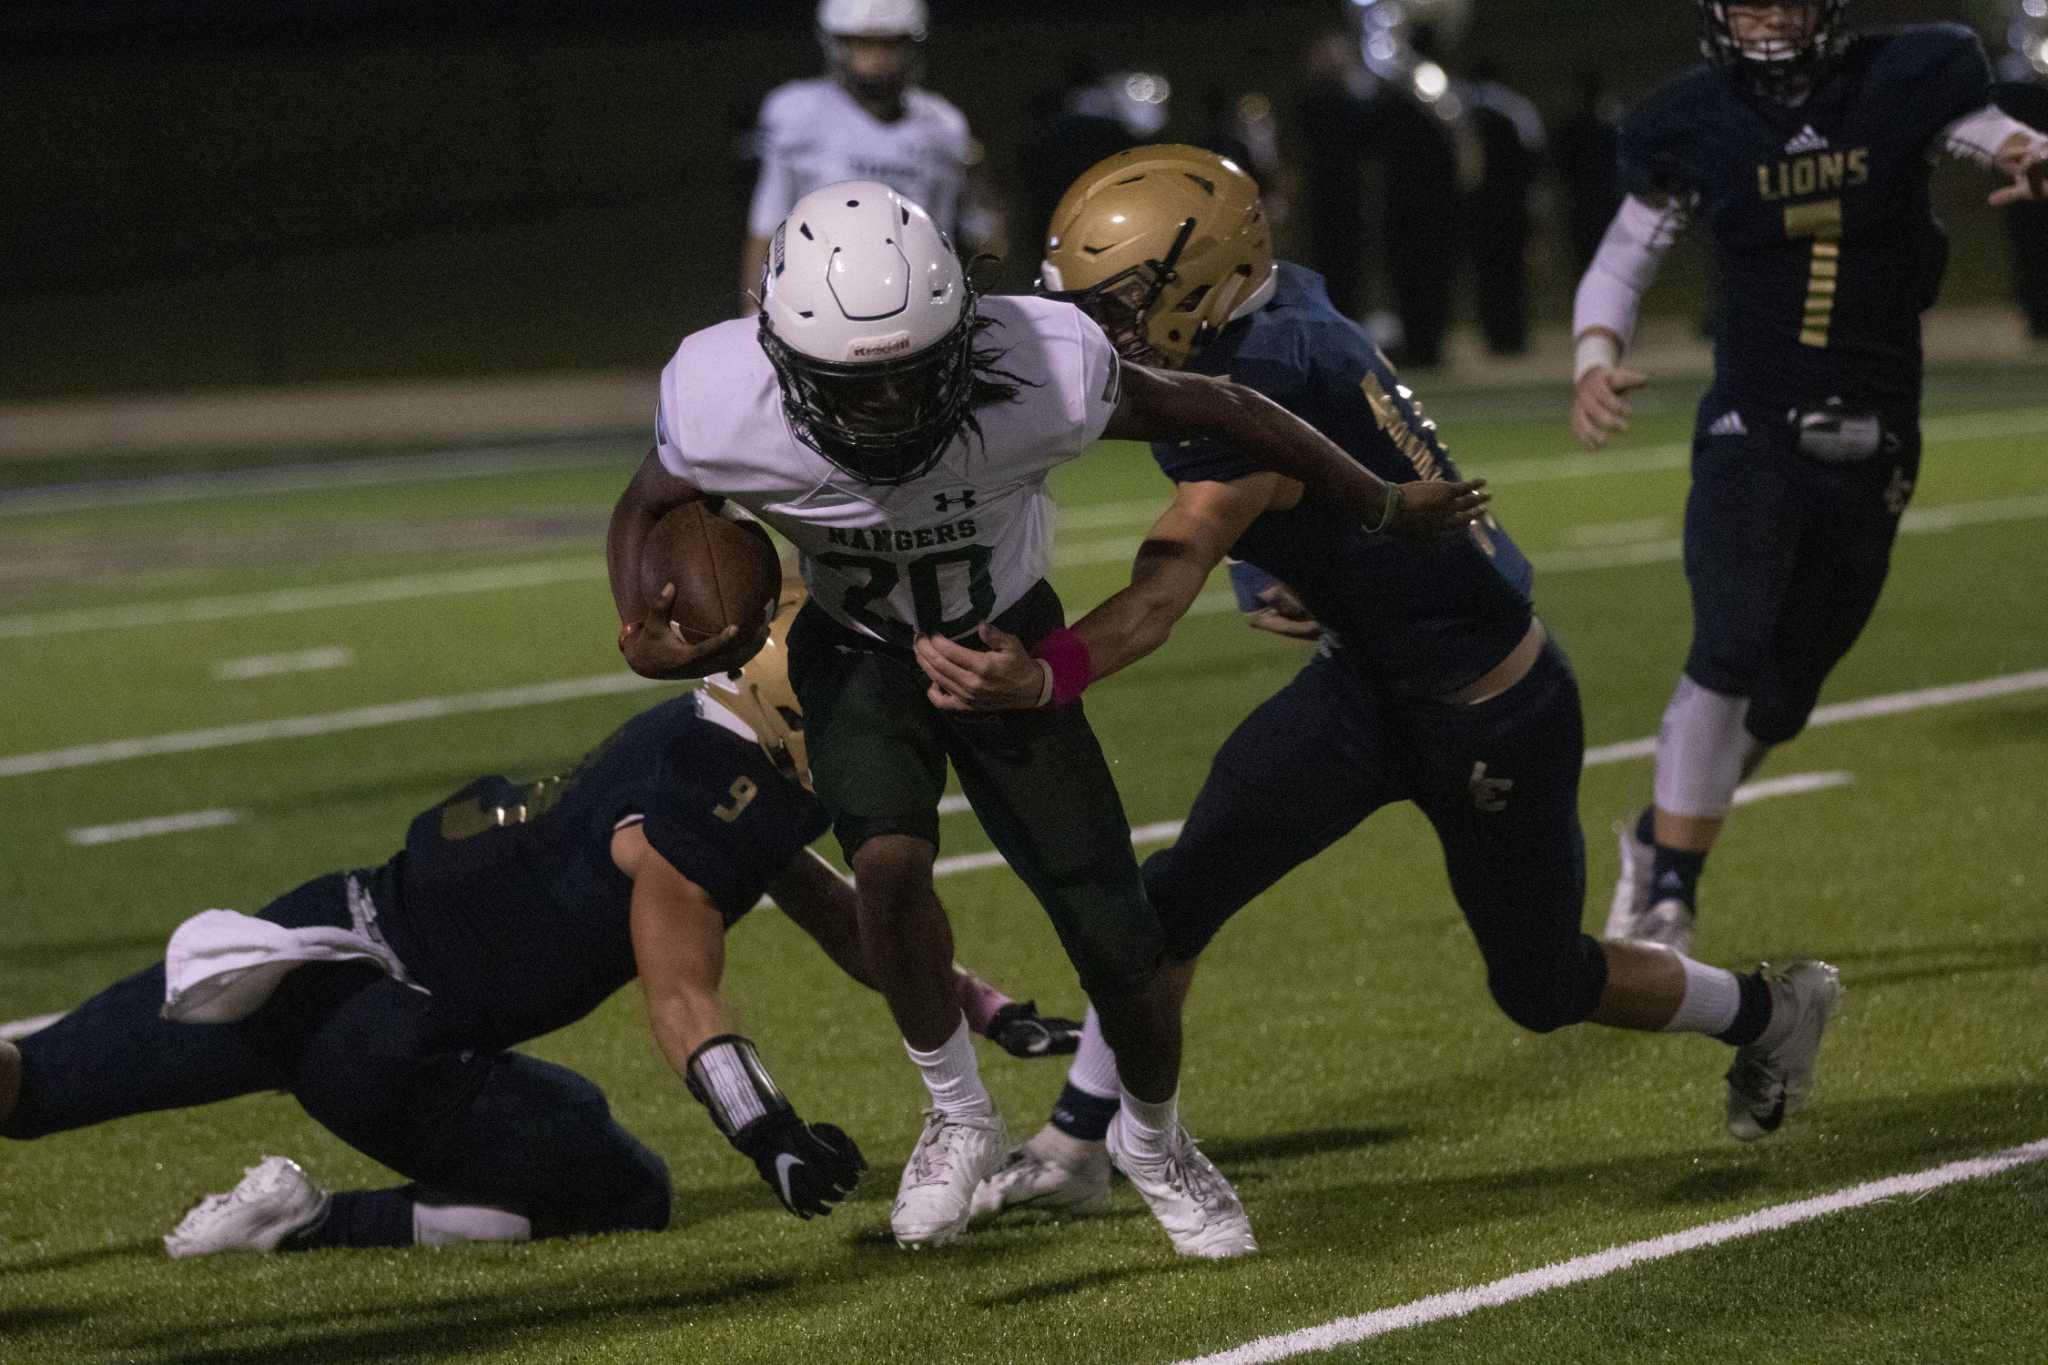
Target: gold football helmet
x=1162 y=246
x=760 y=693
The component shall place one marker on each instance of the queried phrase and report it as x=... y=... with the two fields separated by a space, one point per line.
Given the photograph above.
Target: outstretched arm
x=679 y=947
x=1160 y=405
x=1997 y=141
x=1189 y=539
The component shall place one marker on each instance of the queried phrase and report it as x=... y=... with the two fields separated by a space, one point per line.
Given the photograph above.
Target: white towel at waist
x=221 y=965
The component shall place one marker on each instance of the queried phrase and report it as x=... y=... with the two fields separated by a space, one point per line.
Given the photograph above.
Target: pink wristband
x=1067 y=656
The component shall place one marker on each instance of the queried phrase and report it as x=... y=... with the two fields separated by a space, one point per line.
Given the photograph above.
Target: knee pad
x=1701 y=745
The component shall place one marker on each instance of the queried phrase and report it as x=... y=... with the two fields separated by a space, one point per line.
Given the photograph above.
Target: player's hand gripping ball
x=714 y=582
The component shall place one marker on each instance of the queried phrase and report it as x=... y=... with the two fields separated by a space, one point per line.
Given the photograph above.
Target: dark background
x=200 y=192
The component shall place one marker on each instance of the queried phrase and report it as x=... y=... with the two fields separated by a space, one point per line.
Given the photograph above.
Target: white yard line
x=92 y=835
x=308 y=478
x=272 y=665
x=289 y=601
x=1793 y=784
x=1460 y=1302
x=541 y=573
x=608 y=684
x=326 y=723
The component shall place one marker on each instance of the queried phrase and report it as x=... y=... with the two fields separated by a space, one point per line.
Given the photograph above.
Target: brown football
x=726 y=572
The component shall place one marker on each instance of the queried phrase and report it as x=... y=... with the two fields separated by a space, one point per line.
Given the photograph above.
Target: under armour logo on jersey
x=1489 y=793
x=1728 y=423
x=945 y=501
x=1807 y=141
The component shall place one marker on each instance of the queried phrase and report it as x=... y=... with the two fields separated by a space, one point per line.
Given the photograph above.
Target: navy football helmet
x=1784 y=67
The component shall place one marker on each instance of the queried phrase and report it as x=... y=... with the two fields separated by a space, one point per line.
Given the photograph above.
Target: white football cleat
x=1188 y=1195
x=1767 y=1085
x=1668 y=925
x=1632 y=887
x=953 y=1156
x=1027 y=1180
x=274 y=1200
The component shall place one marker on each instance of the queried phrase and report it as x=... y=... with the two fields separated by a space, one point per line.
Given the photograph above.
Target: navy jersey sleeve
x=1210 y=461
x=1941 y=73
x=724 y=818
x=1656 y=136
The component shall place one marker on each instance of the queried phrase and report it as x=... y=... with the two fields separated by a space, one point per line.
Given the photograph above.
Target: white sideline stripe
x=331 y=722
x=364 y=593
x=1460 y=1302
x=271 y=665
x=1793 y=784
x=155 y=825
x=15 y=1029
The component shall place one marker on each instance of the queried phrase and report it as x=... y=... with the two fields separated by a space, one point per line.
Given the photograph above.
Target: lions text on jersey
x=813 y=133
x=938 y=554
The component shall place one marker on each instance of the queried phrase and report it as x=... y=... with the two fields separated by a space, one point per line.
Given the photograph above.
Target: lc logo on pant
x=1489 y=793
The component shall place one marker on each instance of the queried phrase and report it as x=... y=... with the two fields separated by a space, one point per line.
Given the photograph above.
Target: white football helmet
x=868 y=319
x=839 y=20
x=872 y=19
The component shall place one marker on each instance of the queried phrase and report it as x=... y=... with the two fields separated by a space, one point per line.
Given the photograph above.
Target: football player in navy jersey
x=1435 y=682
x=512 y=910
x=1806 y=152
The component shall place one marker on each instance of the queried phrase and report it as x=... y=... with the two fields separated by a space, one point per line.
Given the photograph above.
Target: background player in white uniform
x=866 y=119
x=901 y=436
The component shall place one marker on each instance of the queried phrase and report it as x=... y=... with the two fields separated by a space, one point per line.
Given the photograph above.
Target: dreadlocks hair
x=991 y=384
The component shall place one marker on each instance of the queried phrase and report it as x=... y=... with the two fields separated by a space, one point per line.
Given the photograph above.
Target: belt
x=1512 y=668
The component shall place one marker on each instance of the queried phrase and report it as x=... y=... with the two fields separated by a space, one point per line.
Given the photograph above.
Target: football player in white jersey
x=899 y=430
x=867 y=119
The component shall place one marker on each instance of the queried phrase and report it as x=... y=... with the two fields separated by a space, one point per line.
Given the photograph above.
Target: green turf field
x=1392 y=1135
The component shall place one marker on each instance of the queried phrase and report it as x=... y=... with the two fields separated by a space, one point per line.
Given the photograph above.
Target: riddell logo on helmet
x=867 y=348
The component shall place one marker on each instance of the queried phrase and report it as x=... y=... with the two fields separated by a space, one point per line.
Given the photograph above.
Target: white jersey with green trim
x=936 y=555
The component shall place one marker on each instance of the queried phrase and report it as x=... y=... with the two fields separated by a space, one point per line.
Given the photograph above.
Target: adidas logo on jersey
x=1728 y=423
x=1807 y=141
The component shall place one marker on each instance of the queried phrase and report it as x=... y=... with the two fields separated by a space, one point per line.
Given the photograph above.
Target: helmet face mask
x=1780 y=62
x=1163 y=247
x=883 y=423
x=869 y=322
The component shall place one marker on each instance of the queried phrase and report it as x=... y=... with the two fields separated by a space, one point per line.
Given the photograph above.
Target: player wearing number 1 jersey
x=1806 y=153
x=900 y=432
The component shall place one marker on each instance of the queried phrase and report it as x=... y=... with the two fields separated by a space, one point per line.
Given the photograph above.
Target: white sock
x=1094 y=1066
x=439 y=1225
x=1712 y=995
x=1148 y=1127
x=953 y=1076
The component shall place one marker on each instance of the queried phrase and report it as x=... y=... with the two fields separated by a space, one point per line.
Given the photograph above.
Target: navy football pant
x=378 y=1064
x=1786 y=557
x=1499 y=781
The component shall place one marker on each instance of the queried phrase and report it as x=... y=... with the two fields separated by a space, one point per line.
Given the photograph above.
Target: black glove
x=810 y=1166
x=1020 y=1030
